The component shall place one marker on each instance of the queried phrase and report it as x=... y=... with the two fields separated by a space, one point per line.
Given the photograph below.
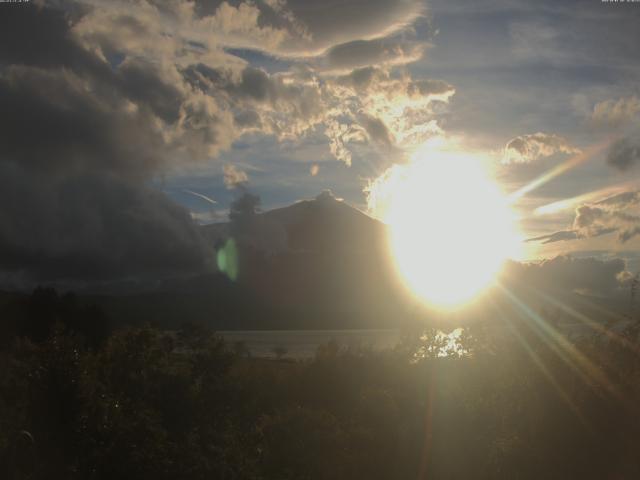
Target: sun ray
x=593 y=325
x=588 y=371
x=558 y=170
x=584 y=198
x=546 y=372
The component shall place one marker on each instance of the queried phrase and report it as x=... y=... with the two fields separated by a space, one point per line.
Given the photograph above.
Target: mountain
x=324 y=224
x=316 y=264
x=321 y=263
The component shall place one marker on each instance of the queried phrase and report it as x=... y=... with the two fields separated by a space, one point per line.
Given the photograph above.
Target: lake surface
x=301 y=344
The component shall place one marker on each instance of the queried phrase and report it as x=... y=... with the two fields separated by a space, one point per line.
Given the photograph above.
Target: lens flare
x=227 y=259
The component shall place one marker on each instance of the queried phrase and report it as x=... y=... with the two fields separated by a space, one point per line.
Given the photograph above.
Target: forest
x=82 y=400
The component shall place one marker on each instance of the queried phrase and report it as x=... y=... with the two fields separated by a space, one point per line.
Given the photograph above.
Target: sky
x=126 y=124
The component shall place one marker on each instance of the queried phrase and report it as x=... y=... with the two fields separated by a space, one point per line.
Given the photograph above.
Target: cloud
x=240 y=26
x=531 y=147
x=379 y=51
x=393 y=99
x=624 y=153
x=327 y=24
x=195 y=69
x=201 y=196
x=126 y=91
x=93 y=227
x=52 y=121
x=615 y=112
x=234 y=177
x=616 y=214
x=73 y=170
x=376 y=130
x=81 y=142
x=621 y=200
x=313 y=27
x=555 y=237
x=380 y=105
x=629 y=233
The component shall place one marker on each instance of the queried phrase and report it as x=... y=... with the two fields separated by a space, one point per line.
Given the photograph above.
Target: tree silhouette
x=243 y=210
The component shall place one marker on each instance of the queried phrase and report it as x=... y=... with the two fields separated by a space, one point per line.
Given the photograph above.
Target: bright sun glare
x=451 y=229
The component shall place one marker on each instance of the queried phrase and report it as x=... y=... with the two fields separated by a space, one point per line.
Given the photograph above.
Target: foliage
x=151 y=404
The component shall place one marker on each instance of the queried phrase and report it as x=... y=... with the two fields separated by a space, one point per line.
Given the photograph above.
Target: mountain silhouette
x=320 y=261
x=324 y=224
x=319 y=264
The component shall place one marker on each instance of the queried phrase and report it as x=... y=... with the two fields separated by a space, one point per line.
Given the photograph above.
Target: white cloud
x=531 y=147
x=220 y=96
x=233 y=176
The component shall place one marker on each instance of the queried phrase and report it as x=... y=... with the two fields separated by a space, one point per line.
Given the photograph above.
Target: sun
x=451 y=228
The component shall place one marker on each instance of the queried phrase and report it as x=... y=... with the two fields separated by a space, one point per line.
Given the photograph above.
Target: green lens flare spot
x=227 y=259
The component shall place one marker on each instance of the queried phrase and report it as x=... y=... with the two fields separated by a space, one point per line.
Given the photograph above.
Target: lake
x=301 y=344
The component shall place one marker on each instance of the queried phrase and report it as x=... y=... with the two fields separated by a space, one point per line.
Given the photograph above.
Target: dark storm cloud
x=93 y=227
x=141 y=82
x=30 y=35
x=81 y=107
x=77 y=147
x=51 y=121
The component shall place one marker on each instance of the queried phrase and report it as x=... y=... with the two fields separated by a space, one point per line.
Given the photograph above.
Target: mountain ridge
x=322 y=223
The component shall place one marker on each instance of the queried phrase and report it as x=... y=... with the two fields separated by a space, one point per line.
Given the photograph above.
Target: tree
x=243 y=209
